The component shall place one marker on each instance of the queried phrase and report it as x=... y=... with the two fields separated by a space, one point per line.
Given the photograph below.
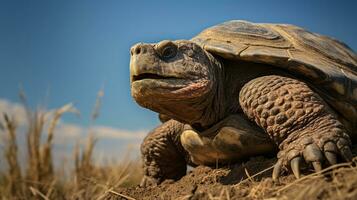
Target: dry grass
x=38 y=178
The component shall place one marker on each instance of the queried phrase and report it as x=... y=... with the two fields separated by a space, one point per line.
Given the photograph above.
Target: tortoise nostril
x=138 y=50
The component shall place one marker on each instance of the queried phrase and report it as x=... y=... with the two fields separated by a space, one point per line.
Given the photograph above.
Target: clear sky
x=69 y=49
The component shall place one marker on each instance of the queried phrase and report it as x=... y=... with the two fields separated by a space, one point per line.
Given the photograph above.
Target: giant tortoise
x=242 y=89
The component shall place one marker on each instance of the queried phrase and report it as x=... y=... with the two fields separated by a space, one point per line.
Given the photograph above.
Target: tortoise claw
x=317 y=166
x=331 y=157
x=295 y=166
x=346 y=153
x=312 y=153
x=276 y=170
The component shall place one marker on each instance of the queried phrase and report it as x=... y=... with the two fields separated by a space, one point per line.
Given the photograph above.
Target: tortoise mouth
x=144 y=76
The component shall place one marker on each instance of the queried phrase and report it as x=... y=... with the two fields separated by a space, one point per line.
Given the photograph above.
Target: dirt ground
x=252 y=180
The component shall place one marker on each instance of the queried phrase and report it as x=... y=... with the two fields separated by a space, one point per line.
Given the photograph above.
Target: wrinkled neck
x=212 y=105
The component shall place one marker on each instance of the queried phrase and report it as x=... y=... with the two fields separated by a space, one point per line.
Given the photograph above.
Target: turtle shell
x=330 y=66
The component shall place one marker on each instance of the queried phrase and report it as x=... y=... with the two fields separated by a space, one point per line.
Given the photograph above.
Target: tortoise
x=241 y=89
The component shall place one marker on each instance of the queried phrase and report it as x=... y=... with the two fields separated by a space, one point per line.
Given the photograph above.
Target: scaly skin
x=163 y=155
x=298 y=120
x=181 y=81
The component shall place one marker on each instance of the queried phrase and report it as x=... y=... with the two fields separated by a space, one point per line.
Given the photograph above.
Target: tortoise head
x=173 y=77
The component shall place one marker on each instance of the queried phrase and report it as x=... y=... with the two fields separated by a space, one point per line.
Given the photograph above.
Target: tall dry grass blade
x=2 y=126
x=83 y=163
x=11 y=155
x=88 y=153
x=46 y=153
x=76 y=156
x=35 y=126
x=36 y=121
x=97 y=105
x=23 y=100
x=32 y=172
x=33 y=145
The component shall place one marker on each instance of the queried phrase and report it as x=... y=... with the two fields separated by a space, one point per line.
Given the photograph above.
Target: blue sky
x=65 y=51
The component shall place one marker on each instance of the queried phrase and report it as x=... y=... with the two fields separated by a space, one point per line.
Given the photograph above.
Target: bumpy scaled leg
x=298 y=120
x=163 y=155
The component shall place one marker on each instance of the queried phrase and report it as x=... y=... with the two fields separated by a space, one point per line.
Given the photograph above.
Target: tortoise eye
x=169 y=52
x=167 y=49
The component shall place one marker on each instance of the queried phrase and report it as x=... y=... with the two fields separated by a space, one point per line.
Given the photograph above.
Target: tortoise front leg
x=163 y=155
x=298 y=120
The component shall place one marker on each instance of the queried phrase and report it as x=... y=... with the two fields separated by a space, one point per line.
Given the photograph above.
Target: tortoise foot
x=304 y=126
x=313 y=150
x=163 y=155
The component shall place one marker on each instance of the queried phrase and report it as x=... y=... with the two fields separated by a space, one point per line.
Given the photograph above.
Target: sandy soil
x=252 y=180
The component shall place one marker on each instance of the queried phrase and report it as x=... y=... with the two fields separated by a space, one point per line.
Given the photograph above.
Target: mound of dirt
x=251 y=180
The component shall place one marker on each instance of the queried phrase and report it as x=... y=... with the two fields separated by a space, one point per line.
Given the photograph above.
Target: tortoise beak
x=142 y=60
